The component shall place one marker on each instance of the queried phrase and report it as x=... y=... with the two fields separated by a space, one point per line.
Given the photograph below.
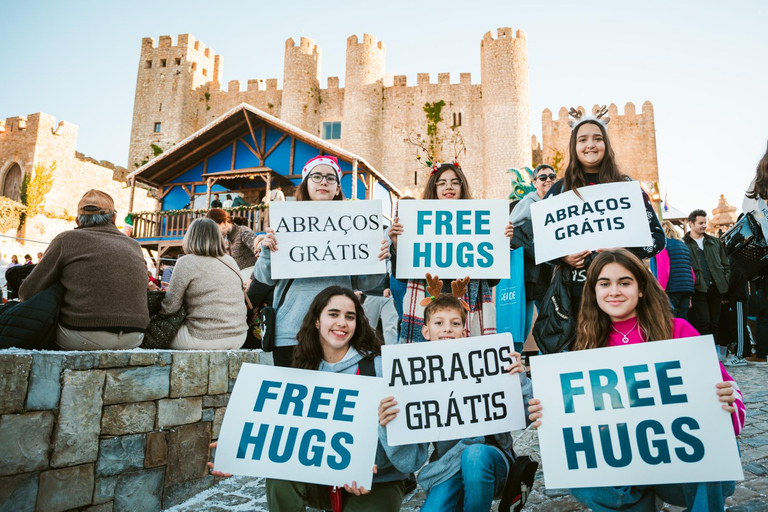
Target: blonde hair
x=204 y=238
x=669 y=230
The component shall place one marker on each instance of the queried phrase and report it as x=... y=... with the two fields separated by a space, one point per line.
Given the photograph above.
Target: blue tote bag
x=510 y=300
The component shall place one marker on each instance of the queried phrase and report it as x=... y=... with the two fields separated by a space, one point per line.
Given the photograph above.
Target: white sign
x=452 y=389
x=606 y=216
x=299 y=425
x=453 y=239
x=640 y=414
x=326 y=238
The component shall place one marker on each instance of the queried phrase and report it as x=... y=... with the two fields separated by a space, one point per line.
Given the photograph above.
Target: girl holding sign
x=336 y=337
x=321 y=181
x=624 y=304
x=445 y=182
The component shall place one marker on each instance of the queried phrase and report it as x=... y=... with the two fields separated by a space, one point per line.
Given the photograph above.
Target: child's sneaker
x=736 y=361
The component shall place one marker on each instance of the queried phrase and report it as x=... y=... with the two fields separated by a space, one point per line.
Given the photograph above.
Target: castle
x=179 y=90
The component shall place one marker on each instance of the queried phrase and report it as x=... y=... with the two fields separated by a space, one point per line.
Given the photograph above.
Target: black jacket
x=717 y=263
x=537 y=277
x=32 y=324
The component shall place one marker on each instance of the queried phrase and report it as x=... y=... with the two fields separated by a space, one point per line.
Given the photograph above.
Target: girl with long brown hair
x=623 y=304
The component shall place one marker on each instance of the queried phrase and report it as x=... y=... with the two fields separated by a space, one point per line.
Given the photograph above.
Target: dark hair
x=760 y=188
x=696 y=213
x=430 y=189
x=218 y=215
x=240 y=221
x=540 y=167
x=443 y=302
x=576 y=177
x=654 y=313
x=308 y=353
x=27 y=256
x=302 y=194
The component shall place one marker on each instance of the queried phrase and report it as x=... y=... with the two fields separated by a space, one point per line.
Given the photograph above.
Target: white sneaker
x=736 y=361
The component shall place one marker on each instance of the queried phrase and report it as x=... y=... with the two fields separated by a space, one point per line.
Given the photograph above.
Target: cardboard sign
x=606 y=216
x=326 y=238
x=639 y=414
x=452 y=389
x=453 y=239
x=301 y=425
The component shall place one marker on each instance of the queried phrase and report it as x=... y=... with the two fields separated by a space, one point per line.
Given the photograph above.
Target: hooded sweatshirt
x=393 y=462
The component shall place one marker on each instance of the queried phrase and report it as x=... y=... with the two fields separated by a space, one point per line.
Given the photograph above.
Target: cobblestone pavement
x=247 y=494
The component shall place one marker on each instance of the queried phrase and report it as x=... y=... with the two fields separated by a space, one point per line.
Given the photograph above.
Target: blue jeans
x=482 y=476
x=696 y=497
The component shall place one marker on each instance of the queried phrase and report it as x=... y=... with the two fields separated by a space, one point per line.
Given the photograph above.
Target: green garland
x=173 y=213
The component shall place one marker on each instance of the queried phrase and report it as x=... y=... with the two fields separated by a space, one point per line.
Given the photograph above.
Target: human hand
x=395 y=230
x=270 y=242
x=725 y=395
x=517 y=366
x=576 y=260
x=354 y=489
x=384 y=253
x=534 y=410
x=509 y=231
x=386 y=410
x=210 y=464
x=152 y=287
x=387 y=293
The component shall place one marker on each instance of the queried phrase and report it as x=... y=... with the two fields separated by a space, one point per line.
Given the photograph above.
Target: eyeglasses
x=331 y=179
x=545 y=177
x=456 y=183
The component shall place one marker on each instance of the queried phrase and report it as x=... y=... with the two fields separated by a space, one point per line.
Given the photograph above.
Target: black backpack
x=555 y=327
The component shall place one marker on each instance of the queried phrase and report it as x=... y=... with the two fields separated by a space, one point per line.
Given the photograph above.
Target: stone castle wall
x=119 y=431
x=376 y=111
x=632 y=135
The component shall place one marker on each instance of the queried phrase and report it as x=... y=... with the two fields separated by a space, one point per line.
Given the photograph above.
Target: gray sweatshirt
x=446 y=459
x=393 y=462
x=301 y=294
x=522 y=211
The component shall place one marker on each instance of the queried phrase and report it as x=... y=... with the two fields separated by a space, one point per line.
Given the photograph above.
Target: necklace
x=625 y=336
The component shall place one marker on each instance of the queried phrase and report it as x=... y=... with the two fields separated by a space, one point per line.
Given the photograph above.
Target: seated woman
x=336 y=337
x=624 y=304
x=238 y=239
x=207 y=281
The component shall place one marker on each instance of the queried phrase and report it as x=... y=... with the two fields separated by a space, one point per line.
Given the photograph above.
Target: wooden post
x=209 y=184
x=354 y=179
x=133 y=191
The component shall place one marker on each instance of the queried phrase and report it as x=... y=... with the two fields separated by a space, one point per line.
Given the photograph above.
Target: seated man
x=104 y=278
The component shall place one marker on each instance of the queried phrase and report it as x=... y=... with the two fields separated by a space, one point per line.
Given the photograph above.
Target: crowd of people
x=676 y=287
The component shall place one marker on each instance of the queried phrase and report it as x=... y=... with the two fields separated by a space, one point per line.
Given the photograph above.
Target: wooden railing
x=164 y=225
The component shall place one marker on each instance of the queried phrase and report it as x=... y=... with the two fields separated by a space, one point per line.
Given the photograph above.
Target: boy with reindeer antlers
x=470 y=472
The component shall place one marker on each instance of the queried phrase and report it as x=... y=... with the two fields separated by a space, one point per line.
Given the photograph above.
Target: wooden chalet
x=245 y=152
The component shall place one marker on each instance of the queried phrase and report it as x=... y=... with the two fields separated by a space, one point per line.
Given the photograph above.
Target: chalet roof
x=223 y=131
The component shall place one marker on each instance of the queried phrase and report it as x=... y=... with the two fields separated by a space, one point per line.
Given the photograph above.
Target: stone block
x=121 y=419
x=235 y=362
x=187 y=453
x=136 y=384
x=76 y=439
x=181 y=492
x=216 y=400
x=18 y=493
x=189 y=374
x=120 y=454
x=81 y=361
x=65 y=489
x=144 y=358
x=139 y=490
x=104 y=507
x=218 y=418
x=166 y=358
x=14 y=378
x=179 y=411
x=26 y=442
x=157 y=450
x=113 y=359
x=208 y=414
x=44 y=382
x=105 y=490
x=218 y=373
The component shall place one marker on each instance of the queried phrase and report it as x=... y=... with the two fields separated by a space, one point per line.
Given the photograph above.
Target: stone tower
x=170 y=84
x=505 y=104
x=301 y=84
x=363 y=93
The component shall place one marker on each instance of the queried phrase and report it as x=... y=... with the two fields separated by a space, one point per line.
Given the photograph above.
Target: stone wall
x=119 y=431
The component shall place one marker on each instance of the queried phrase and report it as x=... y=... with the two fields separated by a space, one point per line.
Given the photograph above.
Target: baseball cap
x=95 y=202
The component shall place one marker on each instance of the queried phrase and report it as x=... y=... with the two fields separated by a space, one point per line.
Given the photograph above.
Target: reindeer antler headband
x=429 y=160
x=435 y=288
x=599 y=114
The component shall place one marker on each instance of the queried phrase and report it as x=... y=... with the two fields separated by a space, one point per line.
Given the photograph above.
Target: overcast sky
x=701 y=63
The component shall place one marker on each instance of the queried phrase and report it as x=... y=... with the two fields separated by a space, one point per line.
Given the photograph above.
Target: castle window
x=157 y=127
x=178 y=61
x=457 y=119
x=148 y=64
x=205 y=72
x=194 y=66
x=161 y=108
x=332 y=130
x=162 y=63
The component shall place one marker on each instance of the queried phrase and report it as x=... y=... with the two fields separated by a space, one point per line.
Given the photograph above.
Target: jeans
x=706 y=311
x=680 y=302
x=696 y=497
x=482 y=476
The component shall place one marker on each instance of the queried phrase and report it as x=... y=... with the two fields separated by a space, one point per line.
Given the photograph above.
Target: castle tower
x=506 y=108
x=363 y=93
x=172 y=81
x=301 y=85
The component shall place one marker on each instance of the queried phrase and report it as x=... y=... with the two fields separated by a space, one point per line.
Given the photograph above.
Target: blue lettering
x=463 y=222
x=344 y=458
x=464 y=256
x=572 y=447
x=290 y=442
x=294 y=394
x=257 y=441
x=343 y=403
x=444 y=260
x=443 y=222
x=609 y=388
x=662 y=449
x=317 y=451
x=485 y=249
x=264 y=394
x=418 y=255
x=482 y=218
x=317 y=401
x=634 y=385
x=569 y=391
x=624 y=449
x=422 y=219
x=693 y=442
x=666 y=382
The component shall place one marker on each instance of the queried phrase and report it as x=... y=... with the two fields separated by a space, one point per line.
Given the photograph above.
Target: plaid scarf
x=481 y=318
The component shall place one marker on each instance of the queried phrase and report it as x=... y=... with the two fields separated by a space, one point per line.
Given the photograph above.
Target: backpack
x=555 y=327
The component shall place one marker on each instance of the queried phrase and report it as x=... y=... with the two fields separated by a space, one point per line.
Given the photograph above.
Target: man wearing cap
x=104 y=276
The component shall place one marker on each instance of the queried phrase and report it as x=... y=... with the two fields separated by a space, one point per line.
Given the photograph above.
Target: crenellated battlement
x=306 y=46
x=504 y=33
x=369 y=41
x=613 y=112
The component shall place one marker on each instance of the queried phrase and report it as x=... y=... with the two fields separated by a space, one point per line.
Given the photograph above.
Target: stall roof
x=224 y=130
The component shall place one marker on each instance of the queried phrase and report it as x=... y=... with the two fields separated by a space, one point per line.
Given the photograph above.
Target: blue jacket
x=680 y=275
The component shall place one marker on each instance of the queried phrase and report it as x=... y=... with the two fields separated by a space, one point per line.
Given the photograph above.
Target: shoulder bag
x=269 y=322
